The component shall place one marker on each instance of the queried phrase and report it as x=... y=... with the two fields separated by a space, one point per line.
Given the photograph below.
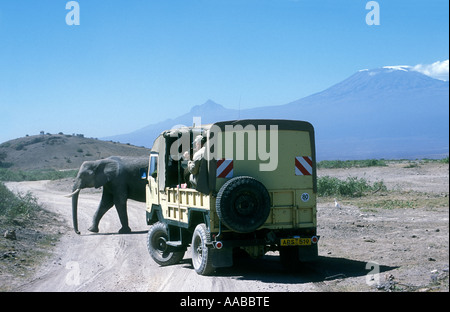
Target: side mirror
x=143 y=173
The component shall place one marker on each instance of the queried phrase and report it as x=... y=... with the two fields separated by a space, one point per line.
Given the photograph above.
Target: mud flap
x=308 y=253
x=222 y=258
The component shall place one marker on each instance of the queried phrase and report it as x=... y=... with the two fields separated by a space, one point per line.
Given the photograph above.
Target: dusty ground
x=391 y=241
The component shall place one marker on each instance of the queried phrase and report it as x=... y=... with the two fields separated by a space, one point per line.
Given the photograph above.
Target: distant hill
x=59 y=151
x=389 y=112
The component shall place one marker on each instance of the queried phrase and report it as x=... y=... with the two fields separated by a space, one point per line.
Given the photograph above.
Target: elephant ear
x=105 y=172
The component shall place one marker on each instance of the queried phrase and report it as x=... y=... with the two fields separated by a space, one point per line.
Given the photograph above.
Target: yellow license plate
x=295 y=241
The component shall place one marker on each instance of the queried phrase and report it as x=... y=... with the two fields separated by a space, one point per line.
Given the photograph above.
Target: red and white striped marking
x=303 y=165
x=224 y=168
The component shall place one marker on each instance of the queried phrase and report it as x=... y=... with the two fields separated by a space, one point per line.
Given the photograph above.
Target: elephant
x=121 y=180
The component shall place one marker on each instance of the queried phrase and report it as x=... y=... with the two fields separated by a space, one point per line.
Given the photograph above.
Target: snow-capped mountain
x=389 y=112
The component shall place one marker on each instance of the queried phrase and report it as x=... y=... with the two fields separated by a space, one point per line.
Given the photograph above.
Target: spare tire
x=243 y=204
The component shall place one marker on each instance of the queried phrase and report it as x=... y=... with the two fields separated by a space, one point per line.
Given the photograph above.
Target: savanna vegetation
x=15 y=175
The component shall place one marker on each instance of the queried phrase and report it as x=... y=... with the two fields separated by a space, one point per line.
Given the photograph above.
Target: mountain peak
x=385 y=78
x=405 y=68
x=387 y=69
x=208 y=106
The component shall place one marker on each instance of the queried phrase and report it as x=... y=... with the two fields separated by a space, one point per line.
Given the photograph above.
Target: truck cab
x=255 y=190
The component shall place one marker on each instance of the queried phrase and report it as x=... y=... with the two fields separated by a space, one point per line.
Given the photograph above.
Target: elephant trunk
x=75 y=210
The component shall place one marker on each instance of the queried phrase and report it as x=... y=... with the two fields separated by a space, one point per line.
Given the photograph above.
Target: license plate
x=295 y=241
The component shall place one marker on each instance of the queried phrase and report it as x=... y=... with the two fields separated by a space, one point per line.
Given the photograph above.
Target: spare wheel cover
x=243 y=204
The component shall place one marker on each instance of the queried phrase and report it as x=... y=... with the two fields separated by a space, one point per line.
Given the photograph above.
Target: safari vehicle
x=256 y=191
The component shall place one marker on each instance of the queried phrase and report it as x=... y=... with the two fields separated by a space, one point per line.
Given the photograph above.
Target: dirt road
x=408 y=247
x=111 y=262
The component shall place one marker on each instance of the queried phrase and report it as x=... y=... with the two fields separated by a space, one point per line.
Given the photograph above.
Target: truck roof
x=282 y=124
x=160 y=145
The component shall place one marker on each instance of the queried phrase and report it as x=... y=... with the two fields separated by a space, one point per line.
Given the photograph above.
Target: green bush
x=351 y=187
x=12 y=205
x=335 y=164
x=2 y=163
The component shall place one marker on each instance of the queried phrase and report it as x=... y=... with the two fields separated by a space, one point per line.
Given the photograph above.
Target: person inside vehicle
x=194 y=164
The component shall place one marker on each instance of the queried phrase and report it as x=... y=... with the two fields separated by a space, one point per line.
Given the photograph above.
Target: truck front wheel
x=157 y=246
x=201 y=252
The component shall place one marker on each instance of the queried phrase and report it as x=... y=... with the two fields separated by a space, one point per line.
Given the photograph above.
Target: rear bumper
x=222 y=251
x=273 y=238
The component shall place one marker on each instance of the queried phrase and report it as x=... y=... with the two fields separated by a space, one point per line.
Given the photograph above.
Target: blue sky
x=133 y=63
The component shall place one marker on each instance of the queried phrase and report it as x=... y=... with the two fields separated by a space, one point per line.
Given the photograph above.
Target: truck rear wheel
x=243 y=204
x=157 y=246
x=201 y=252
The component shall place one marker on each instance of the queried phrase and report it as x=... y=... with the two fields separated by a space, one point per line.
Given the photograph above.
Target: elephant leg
x=106 y=203
x=121 y=207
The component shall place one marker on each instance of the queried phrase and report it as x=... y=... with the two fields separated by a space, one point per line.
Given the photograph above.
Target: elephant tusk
x=70 y=195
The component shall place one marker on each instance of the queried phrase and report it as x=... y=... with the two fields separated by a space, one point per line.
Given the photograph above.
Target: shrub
x=2 y=163
x=12 y=205
x=351 y=187
x=335 y=164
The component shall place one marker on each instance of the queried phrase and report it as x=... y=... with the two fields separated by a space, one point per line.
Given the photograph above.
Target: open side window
x=178 y=148
x=153 y=166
